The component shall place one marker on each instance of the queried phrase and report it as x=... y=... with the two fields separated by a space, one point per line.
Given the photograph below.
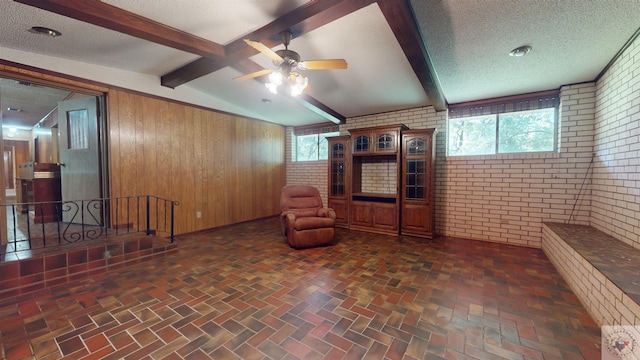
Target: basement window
x=313 y=147
x=311 y=141
x=520 y=124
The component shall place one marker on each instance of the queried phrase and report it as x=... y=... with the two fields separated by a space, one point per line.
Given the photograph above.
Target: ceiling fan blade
x=253 y=74
x=265 y=50
x=323 y=64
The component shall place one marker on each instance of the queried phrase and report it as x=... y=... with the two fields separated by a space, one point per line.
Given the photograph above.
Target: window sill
x=515 y=156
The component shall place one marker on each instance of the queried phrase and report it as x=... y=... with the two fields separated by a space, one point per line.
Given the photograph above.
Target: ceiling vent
x=24 y=83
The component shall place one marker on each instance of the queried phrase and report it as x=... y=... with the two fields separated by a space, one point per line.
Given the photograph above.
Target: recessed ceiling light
x=520 y=51
x=45 y=31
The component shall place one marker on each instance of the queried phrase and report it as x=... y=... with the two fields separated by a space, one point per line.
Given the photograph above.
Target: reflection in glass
x=361 y=144
x=337 y=178
x=385 y=142
x=338 y=151
x=416 y=179
x=417 y=147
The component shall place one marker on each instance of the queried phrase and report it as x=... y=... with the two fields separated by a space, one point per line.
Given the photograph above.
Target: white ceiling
x=25 y=104
x=468 y=41
x=572 y=40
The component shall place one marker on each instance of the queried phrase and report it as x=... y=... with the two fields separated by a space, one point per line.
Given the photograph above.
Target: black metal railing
x=54 y=223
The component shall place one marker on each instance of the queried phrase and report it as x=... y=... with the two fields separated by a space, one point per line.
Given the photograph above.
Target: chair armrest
x=286 y=218
x=327 y=212
x=290 y=220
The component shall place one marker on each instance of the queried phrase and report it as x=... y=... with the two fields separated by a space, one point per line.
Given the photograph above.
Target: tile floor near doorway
x=241 y=293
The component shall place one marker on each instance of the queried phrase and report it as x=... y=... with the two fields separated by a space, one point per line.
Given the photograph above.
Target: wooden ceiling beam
x=314 y=14
x=108 y=16
x=401 y=19
x=214 y=56
x=321 y=109
x=301 y=20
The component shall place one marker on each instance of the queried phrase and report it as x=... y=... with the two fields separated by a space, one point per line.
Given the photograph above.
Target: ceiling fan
x=286 y=76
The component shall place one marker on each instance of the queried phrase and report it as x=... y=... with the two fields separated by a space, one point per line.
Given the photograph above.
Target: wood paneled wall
x=21 y=151
x=228 y=168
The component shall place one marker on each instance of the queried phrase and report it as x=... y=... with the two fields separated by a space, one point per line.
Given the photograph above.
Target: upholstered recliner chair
x=305 y=222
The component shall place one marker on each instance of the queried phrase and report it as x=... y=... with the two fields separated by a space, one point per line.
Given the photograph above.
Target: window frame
x=320 y=131
x=554 y=148
x=504 y=106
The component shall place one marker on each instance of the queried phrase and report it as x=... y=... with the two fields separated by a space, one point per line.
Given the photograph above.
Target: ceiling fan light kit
x=286 y=78
x=290 y=82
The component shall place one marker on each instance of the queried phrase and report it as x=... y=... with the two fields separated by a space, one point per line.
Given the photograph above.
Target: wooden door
x=79 y=159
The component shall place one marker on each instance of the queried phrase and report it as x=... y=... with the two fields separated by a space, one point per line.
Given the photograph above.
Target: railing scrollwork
x=46 y=224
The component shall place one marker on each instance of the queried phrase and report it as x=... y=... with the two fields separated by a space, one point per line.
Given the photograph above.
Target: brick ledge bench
x=602 y=271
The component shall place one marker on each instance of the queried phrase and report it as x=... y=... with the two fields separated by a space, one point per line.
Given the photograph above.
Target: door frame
x=103 y=134
x=12 y=169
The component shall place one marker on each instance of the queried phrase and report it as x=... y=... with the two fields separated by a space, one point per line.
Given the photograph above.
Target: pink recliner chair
x=305 y=222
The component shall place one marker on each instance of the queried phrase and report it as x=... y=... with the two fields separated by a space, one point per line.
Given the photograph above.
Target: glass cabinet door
x=418 y=206
x=338 y=178
x=386 y=142
x=416 y=169
x=362 y=144
x=338 y=167
x=416 y=147
x=416 y=181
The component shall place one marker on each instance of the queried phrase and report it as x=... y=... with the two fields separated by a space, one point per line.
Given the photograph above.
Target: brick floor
x=242 y=293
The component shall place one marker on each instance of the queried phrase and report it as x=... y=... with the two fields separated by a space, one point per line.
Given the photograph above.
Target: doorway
x=34 y=115
x=15 y=152
x=9 y=171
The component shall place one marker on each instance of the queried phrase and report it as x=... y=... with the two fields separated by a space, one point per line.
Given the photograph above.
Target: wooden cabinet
x=361 y=214
x=39 y=183
x=385 y=217
x=381 y=180
x=377 y=140
x=339 y=180
x=372 y=212
x=418 y=179
x=375 y=179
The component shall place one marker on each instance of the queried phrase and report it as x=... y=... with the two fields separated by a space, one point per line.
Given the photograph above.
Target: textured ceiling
x=468 y=42
x=572 y=40
x=23 y=104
